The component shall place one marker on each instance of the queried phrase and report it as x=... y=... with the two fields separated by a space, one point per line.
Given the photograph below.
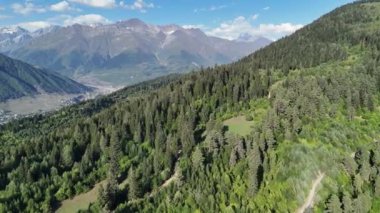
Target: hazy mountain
x=127 y=51
x=18 y=79
x=245 y=37
x=12 y=37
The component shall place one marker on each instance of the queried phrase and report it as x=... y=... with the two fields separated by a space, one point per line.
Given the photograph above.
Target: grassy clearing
x=80 y=202
x=239 y=125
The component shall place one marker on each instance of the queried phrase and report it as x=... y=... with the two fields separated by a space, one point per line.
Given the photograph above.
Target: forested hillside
x=311 y=101
x=18 y=79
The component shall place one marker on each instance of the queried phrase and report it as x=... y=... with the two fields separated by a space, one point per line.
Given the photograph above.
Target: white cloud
x=4 y=17
x=89 y=19
x=210 y=9
x=27 y=8
x=35 y=25
x=266 y=8
x=59 y=19
x=60 y=6
x=96 y=3
x=194 y=26
x=140 y=5
x=255 y=16
x=65 y=20
x=240 y=25
x=213 y=8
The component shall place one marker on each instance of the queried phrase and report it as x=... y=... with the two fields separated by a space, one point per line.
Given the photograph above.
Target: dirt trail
x=82 y=201
x=171 y=179
x=274 y=86
x=310 y=198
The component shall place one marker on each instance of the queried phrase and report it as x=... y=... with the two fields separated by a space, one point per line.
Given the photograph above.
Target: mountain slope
x=18 y=79
x=308 y=115
x=129 y=51
x=11 y=37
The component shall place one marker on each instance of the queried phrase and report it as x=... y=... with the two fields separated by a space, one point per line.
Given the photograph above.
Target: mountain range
x=124 y=52
x=18 y=79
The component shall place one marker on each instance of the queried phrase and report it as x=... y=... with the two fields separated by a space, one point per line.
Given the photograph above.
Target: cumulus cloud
x=64 y=20
x=60 y=6
x=96 y=3
x=233 y=29
x=89 y=19
x=35 y=25
x=140 y=5
x=27 y=8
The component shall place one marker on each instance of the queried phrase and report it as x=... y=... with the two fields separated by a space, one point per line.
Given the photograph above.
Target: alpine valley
x=102 y=57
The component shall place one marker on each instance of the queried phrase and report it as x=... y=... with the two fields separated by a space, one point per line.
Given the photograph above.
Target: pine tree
x=296 y=121
x=187 y=138
x=233 y=158
x=347 y=203
x=112 y=188
x=377 y=186
x=334 y=205
x=269 y=138
x=211 y=123
x=103 y=197
x=157 y=162
x=355 y=100
x=47 y=205
x=116 y=149
x=159 y=142
x=240 y=148
x=362 y=203
x=358 y=183
x=68 y=155
x=365 y=168
x=138 y=133
x=254 y=164
x=134 y=188
x=104 y=143
x=110 y=193
x=350 y=113
x=371 y=104
x=376 y=154
x=212 y=142
x=350 y=165
x=197 y=158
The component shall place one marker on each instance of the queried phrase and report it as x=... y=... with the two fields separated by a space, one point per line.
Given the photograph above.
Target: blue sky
x=224 y=18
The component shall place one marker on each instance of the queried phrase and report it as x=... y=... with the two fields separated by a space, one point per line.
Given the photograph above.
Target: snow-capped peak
x=169 y=29
x=12 y=30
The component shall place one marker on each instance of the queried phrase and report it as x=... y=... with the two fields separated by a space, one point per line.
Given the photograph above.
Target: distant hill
x=124 y=52
x=18 y=79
